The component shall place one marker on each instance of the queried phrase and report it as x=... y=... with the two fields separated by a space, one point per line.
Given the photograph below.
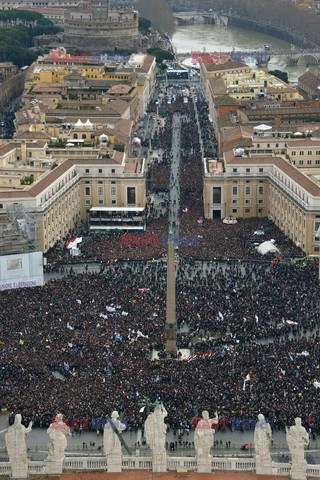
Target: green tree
x=160 y=54
x=144 y=25
x=279 y=74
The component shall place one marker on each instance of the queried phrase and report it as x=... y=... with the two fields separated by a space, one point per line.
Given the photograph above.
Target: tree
x=144 y=25
x=279 y=74
x=160 y=54
x=159 y=13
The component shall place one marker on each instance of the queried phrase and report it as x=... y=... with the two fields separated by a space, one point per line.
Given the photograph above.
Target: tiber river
x=217 y=38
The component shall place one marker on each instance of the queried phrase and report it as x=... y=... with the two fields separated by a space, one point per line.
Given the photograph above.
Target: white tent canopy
x=298 y=134
x=79 y=123
x=267 y=247
x=88 y=124
x=262 y=127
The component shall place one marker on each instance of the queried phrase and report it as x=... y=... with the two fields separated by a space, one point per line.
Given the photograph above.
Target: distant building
x=309 y=85
x=7 y=70
x=94 y=25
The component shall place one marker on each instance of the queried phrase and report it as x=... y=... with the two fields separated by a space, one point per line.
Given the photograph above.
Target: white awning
x=267 y=247
x=262 y=127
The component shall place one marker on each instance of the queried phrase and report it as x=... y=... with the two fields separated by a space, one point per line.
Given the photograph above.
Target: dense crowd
x=98 y=331
x=82 y=345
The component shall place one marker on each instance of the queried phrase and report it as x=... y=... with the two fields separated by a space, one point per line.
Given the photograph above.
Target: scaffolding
x=19 y=233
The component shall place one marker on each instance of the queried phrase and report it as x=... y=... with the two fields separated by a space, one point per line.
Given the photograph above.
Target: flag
x=316 y=384
x=142 y=409
x=78 y=301
x=66 y=366
x=70 y=326
x=247 y=379
x=103 y=316
x=73 y=242
x=291 y=357
x=21 y=342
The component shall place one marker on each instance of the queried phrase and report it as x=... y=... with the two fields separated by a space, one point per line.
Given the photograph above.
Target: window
x=88 y=191
x=309 y=162
x=113 y=191
x=260 y=170
x=113 y=170
x=301 y=162
x=260 y=201
x=87 y=170
x=248 y=190
x=248 y=202
x=234 y=210
x=113 y=202
x=309 y=152
x=248 y=170
x=101 y=202
x=260 y=210
x=258 y=145
x=131 y=195
x=294 y=153
x=88 y=202
x=234 y=170
x=234 y=190
x=216 y=194
x=84 y=136
x=1 y=205
x=234 y=202
x=277 y=145
x=100 y=191
x=301 y=153
x=260 y=189
x=100 y=170
x=247 y=210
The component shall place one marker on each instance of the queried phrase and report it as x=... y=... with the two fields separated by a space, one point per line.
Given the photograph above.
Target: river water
x=218 y=38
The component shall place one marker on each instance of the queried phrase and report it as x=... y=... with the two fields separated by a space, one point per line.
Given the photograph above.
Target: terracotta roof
x=293 y=172
x=284 y=89
x=306 y=142
x=218 y=86
x=217 y=67
x=310 y=80
x=8 y=148
x=31 y=135
x=119 y=89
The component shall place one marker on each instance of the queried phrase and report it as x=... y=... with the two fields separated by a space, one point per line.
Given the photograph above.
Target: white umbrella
x=262 y=127
x=298 y=134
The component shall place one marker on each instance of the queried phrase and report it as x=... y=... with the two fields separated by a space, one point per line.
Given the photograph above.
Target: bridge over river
x=260 y=57
x=307 y=54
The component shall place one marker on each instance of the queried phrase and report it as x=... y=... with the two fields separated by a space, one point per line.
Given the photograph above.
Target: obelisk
x=171 y=324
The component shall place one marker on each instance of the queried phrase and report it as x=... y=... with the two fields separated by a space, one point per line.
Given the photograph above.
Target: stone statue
x=111 y=443
x=57 y=444
x=203 y=442
x=262 y=441
x=297 y=439
x=155 y=432
x=17 y=448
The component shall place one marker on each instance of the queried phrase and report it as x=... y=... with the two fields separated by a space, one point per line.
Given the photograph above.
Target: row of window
x=309 y=152
x=309 y=162
x=100 y=191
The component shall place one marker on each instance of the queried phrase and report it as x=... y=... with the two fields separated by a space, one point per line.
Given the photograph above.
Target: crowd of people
x=98 y=330
x=82 y=345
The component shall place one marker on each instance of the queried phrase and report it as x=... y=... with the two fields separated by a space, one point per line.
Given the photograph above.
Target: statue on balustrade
x=297 y=439
x=112 y=444
x=262 y=442
x=17 y=448
x=57 y=444
x=203 y=442
x=155 y=432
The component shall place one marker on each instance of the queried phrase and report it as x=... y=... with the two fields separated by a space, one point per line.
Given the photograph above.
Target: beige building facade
x=267 y=187
x=65 y=195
